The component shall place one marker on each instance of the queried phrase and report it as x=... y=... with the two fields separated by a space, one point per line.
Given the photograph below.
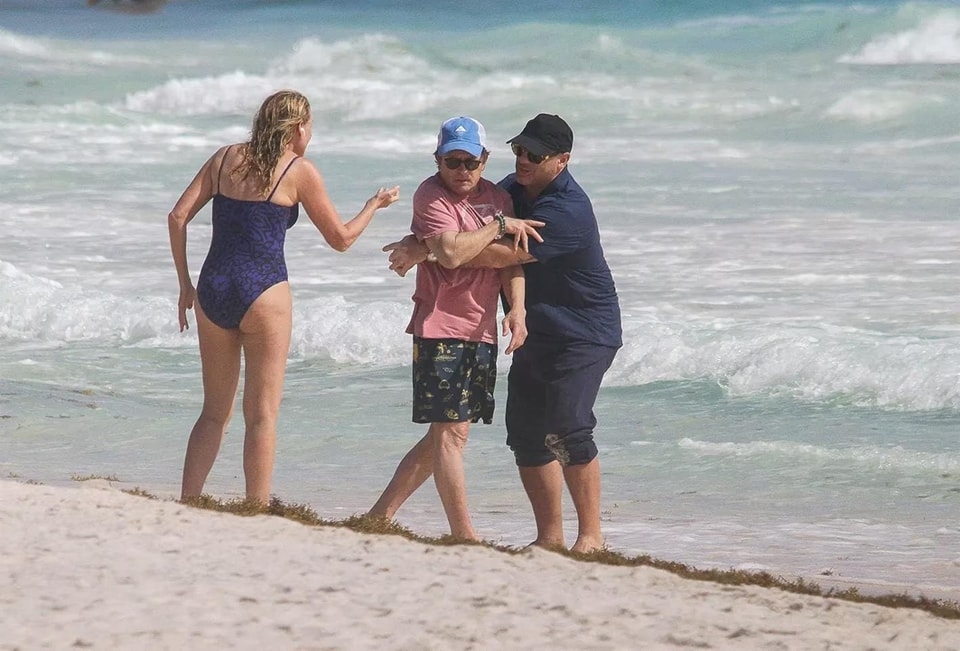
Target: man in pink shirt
x=456 y=214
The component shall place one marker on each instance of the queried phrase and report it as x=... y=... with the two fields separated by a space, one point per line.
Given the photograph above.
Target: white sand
x=90 y=567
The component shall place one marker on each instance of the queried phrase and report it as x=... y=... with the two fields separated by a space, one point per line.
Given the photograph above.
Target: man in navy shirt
x=574 y=332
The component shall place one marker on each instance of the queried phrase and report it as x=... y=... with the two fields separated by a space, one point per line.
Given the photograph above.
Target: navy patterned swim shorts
x=453 y=380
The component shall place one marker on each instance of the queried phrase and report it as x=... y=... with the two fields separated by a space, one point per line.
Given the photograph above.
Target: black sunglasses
x=453 y=163
x=519 y=151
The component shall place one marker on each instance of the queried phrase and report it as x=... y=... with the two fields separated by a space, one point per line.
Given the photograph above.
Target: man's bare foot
x=376 y=517
x=461 y=540
x=588 y=545
x=378 y=514
x=551 y=546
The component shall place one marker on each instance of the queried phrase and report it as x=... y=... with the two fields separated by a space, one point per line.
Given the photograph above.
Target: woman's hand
x=385 y=196
x=188 y=295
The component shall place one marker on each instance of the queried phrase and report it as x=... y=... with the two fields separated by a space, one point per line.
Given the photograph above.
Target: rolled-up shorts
x=551 y=391
x=453 y=380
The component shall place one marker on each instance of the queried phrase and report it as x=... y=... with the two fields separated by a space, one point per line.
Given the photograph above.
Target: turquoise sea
x=777 y=189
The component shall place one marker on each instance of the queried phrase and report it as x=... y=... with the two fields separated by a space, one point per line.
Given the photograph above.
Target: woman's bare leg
x=220 y=361
x=265 y=336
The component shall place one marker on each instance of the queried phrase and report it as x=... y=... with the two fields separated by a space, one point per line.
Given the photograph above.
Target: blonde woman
x=242 y=300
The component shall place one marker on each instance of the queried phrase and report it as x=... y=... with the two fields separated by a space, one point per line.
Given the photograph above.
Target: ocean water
x=777 y=188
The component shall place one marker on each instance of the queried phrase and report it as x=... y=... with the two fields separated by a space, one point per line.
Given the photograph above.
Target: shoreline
x=93 y=566
x=875 y=583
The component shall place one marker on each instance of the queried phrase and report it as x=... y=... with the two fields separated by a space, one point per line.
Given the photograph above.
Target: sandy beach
x=89 y=566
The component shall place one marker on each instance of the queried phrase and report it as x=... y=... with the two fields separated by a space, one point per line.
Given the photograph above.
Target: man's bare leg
x=415 y=468
x=583 y=482
x=449 y=440
x=544 y=487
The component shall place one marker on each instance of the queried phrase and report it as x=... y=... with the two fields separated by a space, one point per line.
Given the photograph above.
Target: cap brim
x=533 y=146
x=471 y=148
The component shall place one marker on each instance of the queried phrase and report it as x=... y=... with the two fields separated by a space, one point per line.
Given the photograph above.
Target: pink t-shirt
x=455 y=303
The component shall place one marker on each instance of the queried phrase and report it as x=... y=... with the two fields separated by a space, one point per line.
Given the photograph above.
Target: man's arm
x=452 y=249
x=459 y=249
x=499 y=255
x=408 y=252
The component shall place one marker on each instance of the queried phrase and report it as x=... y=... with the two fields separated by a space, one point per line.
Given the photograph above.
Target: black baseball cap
x=545 y=134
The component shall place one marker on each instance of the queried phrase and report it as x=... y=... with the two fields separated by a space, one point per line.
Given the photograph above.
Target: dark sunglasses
x=454 y=163
x=519 y=151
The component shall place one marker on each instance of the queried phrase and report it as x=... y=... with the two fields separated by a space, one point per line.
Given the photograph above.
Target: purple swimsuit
x=246 y=254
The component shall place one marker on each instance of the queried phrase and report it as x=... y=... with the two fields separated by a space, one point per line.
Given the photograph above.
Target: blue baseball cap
x=464 y=134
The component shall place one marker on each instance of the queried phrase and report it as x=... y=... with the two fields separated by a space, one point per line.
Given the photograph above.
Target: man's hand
x=406 y=254
x=521 y=230
x=515 y=324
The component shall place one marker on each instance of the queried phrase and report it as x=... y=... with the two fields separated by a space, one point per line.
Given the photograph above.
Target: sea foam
x=936 y=41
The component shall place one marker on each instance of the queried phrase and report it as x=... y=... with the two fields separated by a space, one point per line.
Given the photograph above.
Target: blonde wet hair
x=274 y=126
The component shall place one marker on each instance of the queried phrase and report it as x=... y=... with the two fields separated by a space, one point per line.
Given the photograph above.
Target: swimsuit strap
x=281 y=177
x=220 y=171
